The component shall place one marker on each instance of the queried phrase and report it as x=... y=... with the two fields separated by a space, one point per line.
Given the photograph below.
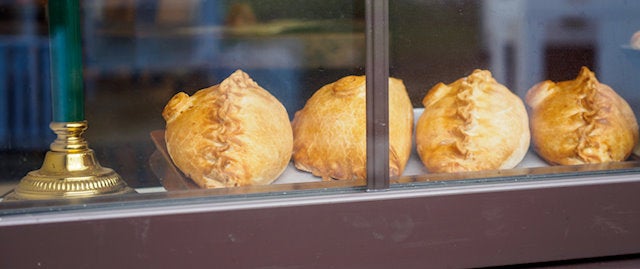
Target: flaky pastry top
x=231 y=134
x=330 y=131
x=581 y=121
x=472 y=124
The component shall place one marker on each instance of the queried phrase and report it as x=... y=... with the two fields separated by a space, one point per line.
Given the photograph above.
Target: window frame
x=380 y=226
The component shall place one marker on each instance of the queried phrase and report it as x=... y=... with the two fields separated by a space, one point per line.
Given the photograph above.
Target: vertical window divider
x=377 y=83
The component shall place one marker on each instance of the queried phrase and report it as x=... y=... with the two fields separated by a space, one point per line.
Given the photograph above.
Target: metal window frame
x=404 y=226
x=449 y=227
x=377 y=74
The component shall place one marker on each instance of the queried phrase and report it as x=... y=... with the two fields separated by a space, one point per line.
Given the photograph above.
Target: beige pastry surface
x=330 y=131
x=472 y=124
x=581 y=121
x=231 y=134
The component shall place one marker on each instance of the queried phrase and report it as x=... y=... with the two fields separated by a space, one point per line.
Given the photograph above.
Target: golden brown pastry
x=472 y=124
x=330 y=131
x=581 y=121
x=231 y=134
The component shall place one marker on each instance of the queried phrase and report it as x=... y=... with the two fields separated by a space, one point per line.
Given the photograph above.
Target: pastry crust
x=472 y=124
x=231 y=134
x=581 y=121
x=330 y=131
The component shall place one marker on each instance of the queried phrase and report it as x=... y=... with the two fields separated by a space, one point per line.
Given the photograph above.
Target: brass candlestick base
x=69 y=170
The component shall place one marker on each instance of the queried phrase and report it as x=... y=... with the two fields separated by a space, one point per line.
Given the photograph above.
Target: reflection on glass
x=521 y=43
x=138 y=54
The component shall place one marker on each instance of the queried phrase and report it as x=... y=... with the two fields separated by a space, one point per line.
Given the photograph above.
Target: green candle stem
x=66 y=60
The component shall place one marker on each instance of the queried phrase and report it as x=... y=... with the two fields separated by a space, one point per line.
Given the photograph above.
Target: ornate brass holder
x=69 y=170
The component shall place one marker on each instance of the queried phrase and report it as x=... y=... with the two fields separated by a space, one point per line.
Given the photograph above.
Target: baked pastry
x=581 y=121
x=330 y=130
x=231 y=134
x=472 y=124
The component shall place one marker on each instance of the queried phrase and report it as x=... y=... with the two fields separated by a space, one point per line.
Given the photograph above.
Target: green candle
x=66 y=61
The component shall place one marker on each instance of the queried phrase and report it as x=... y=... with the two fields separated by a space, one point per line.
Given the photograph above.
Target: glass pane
x=139 y=54
x=470 y=129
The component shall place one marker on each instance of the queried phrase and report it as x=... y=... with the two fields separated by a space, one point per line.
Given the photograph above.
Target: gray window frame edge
x=491 y=224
